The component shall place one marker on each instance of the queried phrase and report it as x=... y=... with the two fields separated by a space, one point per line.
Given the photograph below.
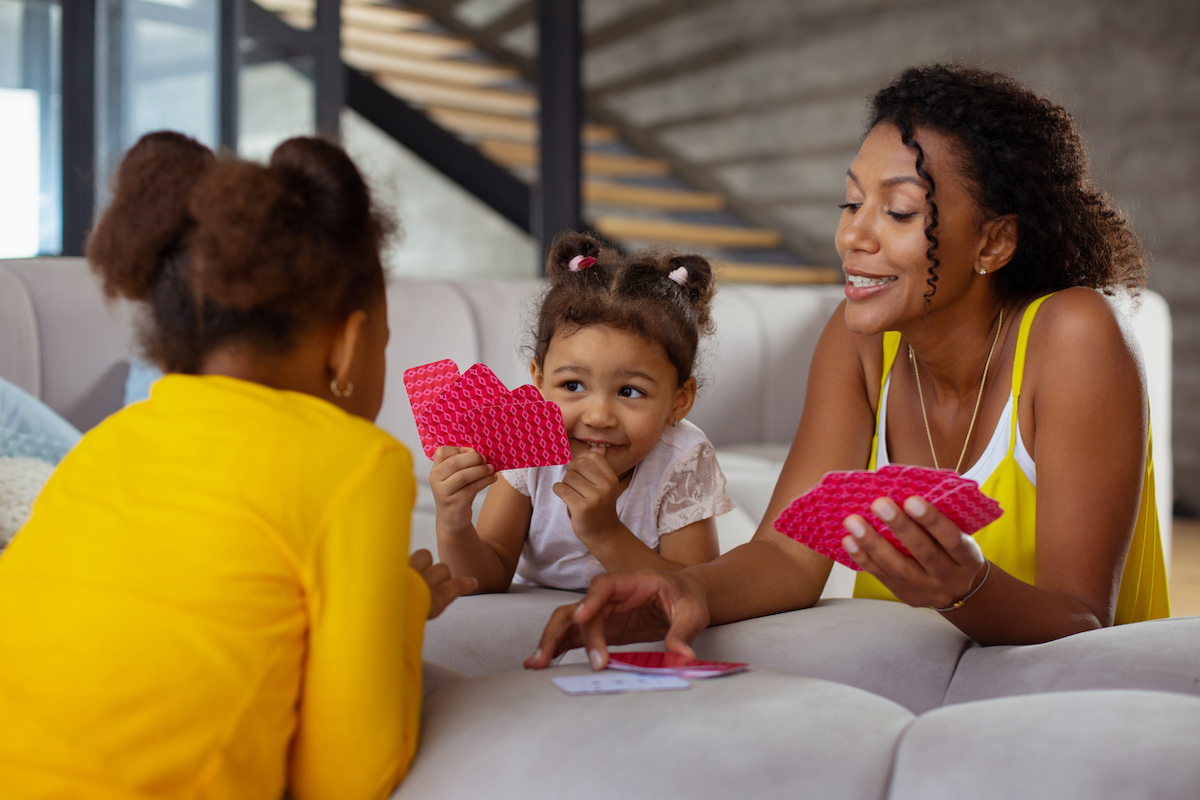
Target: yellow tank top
x=1011 y=542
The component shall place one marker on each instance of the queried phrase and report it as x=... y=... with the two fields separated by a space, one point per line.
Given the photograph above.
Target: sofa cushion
x=20 y=353
x=761 y=733
x=1096 y=745
x=489 y=633
x=905 y=654
x=1161 y=655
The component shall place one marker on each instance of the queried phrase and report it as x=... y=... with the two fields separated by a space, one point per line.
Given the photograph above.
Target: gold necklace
x=912 y=357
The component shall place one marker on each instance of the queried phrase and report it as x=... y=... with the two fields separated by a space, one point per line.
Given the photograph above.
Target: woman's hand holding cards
x=945 y=566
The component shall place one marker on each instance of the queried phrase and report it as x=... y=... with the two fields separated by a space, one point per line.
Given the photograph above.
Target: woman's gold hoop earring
x=338 y=392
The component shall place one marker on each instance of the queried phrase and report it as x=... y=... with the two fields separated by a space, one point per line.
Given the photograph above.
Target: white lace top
x=676 y=484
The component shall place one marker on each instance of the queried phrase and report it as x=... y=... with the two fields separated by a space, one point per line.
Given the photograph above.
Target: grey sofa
x=853 y=698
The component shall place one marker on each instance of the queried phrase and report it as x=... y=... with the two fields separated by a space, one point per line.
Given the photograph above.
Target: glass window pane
x=30 y=138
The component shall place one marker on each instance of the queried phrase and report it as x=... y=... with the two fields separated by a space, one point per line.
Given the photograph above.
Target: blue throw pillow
x=137 y=383
x=31 y=429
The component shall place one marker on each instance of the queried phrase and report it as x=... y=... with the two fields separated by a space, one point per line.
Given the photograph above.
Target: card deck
x=658 y=663
x=510 y=430
x=815 y=518
x=616 y=683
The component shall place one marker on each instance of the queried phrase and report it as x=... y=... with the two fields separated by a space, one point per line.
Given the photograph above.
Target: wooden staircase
x=629 y=198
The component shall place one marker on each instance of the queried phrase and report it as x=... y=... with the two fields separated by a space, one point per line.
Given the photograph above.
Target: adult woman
x=973 y=245
x=213 y=595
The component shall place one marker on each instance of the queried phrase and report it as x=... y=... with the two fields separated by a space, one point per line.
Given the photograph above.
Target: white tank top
x=676 y=484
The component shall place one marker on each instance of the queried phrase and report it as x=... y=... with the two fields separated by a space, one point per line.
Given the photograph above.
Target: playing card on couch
x=511 y=430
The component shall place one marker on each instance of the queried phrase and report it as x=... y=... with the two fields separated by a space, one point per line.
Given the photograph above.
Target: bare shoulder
x=1078 y=334
x=1079 y=322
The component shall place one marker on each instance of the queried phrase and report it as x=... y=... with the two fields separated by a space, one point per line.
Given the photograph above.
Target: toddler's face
x=616 y=390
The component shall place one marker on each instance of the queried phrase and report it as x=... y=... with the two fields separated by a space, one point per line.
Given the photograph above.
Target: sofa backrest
x=62 y=342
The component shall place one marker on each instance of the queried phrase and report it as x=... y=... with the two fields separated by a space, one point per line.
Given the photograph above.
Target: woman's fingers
x=924 y=548
x=953 y=541
x=887 y=562
x=556 y=637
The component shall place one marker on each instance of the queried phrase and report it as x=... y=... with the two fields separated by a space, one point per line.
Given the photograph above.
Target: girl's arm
x=590 y=489
x=490 y=552
x=360 y=698
x=1083 y=410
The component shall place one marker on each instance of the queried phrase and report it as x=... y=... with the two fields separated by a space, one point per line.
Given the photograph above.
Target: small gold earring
x=338 y=392
x=983 y=272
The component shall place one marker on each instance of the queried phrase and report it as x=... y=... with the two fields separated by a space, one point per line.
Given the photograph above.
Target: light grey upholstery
x=1161 y=655
x=904 y=654
x=762 y=734
x=1114 y=745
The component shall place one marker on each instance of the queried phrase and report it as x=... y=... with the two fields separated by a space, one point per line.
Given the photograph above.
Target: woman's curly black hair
x=1022 y=156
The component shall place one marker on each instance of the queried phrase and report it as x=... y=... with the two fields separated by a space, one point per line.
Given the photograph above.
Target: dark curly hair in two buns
x=224 y=251
x=1021 y=155
x=629 y=293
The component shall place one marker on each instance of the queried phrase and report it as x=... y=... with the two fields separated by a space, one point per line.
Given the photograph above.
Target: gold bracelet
x=959 y=603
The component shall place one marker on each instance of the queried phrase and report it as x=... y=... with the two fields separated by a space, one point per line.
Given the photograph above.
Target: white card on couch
x=611 y=682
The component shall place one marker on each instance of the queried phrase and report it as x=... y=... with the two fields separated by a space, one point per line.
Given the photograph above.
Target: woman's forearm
x=1006 y=610
x=764 y=576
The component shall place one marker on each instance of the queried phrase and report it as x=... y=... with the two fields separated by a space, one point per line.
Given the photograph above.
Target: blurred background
x=723 y=126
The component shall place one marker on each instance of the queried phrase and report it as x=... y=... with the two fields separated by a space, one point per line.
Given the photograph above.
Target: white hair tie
x=680 y=276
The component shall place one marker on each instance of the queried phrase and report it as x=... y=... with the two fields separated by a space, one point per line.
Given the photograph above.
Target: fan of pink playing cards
x=815 y=517
x=511 y=430
x=648 y=662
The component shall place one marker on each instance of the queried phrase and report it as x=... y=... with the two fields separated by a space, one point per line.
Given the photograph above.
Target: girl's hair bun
x=568 y=247
x=700 y=285
x=147 y=219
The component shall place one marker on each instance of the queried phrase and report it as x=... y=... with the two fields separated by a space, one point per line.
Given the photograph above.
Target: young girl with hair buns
x=213 y=596
x=615 y=347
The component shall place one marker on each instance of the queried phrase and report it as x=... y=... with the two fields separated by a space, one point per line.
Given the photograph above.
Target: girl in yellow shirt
x=213 y=597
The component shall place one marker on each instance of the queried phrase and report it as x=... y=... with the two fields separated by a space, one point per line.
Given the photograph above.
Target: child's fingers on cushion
x=420 y=561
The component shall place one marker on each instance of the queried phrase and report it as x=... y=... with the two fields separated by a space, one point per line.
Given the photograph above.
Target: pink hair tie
x=680 y=276
x=580 y=263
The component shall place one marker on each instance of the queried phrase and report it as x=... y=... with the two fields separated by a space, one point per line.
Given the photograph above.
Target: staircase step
x=623 y=194
x=659 y=230
x=512 y=103
x=505 y=128
x=364 y=15
x=777 y=274
x=405 y=43
x=511 y=154
x=461 y=73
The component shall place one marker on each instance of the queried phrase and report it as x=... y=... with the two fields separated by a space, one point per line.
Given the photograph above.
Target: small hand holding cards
x=511 y=430
x=815 y=517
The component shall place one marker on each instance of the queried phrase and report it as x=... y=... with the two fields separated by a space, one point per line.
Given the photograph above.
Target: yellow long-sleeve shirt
x=212 y=598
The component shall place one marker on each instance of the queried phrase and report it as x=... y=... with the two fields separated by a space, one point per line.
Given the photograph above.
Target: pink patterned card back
x=427 y=381
x=517 y=435
x=439 y=421
x=656 y=663
x=815 y=518
x=528 y=393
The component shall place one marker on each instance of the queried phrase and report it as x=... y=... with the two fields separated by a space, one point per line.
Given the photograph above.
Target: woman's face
x=881 y=235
